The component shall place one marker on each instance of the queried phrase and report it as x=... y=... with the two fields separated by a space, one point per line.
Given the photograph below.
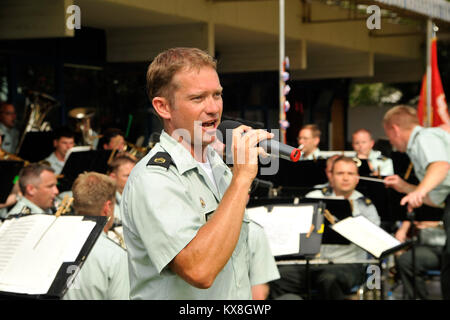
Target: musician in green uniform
x=363 y=143
x=333 y=281
x=37 y=183
x=7 y=123
x=429 y=151
x=104 y=275
x=183 y=209
x=308 y=140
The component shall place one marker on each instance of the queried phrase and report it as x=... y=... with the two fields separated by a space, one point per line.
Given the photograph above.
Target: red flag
x=439 y=114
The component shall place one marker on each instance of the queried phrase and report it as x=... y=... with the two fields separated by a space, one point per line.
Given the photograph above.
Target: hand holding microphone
x=269 y=145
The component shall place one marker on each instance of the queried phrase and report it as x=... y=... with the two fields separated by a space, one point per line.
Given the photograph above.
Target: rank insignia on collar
x=367 y=201
x=202 y=202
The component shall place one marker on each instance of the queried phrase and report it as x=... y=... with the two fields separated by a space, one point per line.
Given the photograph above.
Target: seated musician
x=10 y=133
x=112 y=139
x=37 y=183
x=63 y=141
x=333 y=281
x=431 y=241
x=308 y=140
x=104 y=275
x=119 y=170
x=363 y=143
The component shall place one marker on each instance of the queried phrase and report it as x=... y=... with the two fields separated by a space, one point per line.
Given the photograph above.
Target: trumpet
x=4 y=155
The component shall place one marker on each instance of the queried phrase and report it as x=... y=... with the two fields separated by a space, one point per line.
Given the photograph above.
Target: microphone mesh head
x=222 y=129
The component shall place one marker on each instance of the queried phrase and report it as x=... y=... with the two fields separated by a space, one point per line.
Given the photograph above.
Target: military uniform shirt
x=361 y=206
x=104 y=275
x=425 y=146
x=312 y=156
x=262 y=263
x=10 y=138
x=29 y=206
x=381 y=163
x=55 y=163
x=163 y=207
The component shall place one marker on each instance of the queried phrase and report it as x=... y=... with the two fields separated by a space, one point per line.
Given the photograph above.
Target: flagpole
x=281 y=61
x=428 y=93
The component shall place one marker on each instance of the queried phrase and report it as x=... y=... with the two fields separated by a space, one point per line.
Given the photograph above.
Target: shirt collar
x=374 y=154
x=33 y=207
x=412 y=137
x=355 y=195
x=182 y=158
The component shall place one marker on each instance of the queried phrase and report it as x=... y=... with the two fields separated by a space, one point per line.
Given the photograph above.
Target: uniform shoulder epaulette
x=25 y=210
x=162 y=159
x=367 y=201
x=382 y=158
x=326 y=191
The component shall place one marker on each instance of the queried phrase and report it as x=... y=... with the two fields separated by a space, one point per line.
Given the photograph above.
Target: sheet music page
x=15 y=234
x=34 y=263
x=283 y=226
x=365 y=234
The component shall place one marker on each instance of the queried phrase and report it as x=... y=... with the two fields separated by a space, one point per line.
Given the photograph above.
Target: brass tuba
x=83 y=117
x=37 y=107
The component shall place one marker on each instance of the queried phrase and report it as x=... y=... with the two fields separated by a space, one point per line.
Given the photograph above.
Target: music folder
x=40 y=254
x=9 y=170
x=293 y=230
x=368 y=236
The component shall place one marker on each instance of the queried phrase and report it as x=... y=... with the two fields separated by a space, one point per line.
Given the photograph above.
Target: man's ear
x=55 y=142
x=316 y=141
x=162 y=108
x=106 y=208
x=30 y=189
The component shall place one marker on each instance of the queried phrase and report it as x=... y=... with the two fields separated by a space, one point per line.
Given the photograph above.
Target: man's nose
x=212 y=105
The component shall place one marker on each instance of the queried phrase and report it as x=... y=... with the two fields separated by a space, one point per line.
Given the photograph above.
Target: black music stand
x=9 y=170
x=81 y=161
x=36 y=146
x=306 y=173
x=341 y=209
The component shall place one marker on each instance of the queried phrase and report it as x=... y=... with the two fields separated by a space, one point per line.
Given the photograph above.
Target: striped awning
x=433 y=9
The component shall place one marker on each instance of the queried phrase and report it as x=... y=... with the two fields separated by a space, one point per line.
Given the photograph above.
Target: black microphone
x=270 y=146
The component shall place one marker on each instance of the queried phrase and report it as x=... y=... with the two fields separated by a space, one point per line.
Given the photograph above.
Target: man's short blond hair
x=90 y=192
x=402 y=115
x=315 y=131
x=362 y=130
x=344 y=159
x=161 y=71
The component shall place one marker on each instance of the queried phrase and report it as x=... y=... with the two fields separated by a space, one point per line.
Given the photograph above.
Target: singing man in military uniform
x=183 y=209
x=333 y=281
x=363 y=143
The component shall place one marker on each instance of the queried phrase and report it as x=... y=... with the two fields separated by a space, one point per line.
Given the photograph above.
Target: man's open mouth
x=209 y=124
